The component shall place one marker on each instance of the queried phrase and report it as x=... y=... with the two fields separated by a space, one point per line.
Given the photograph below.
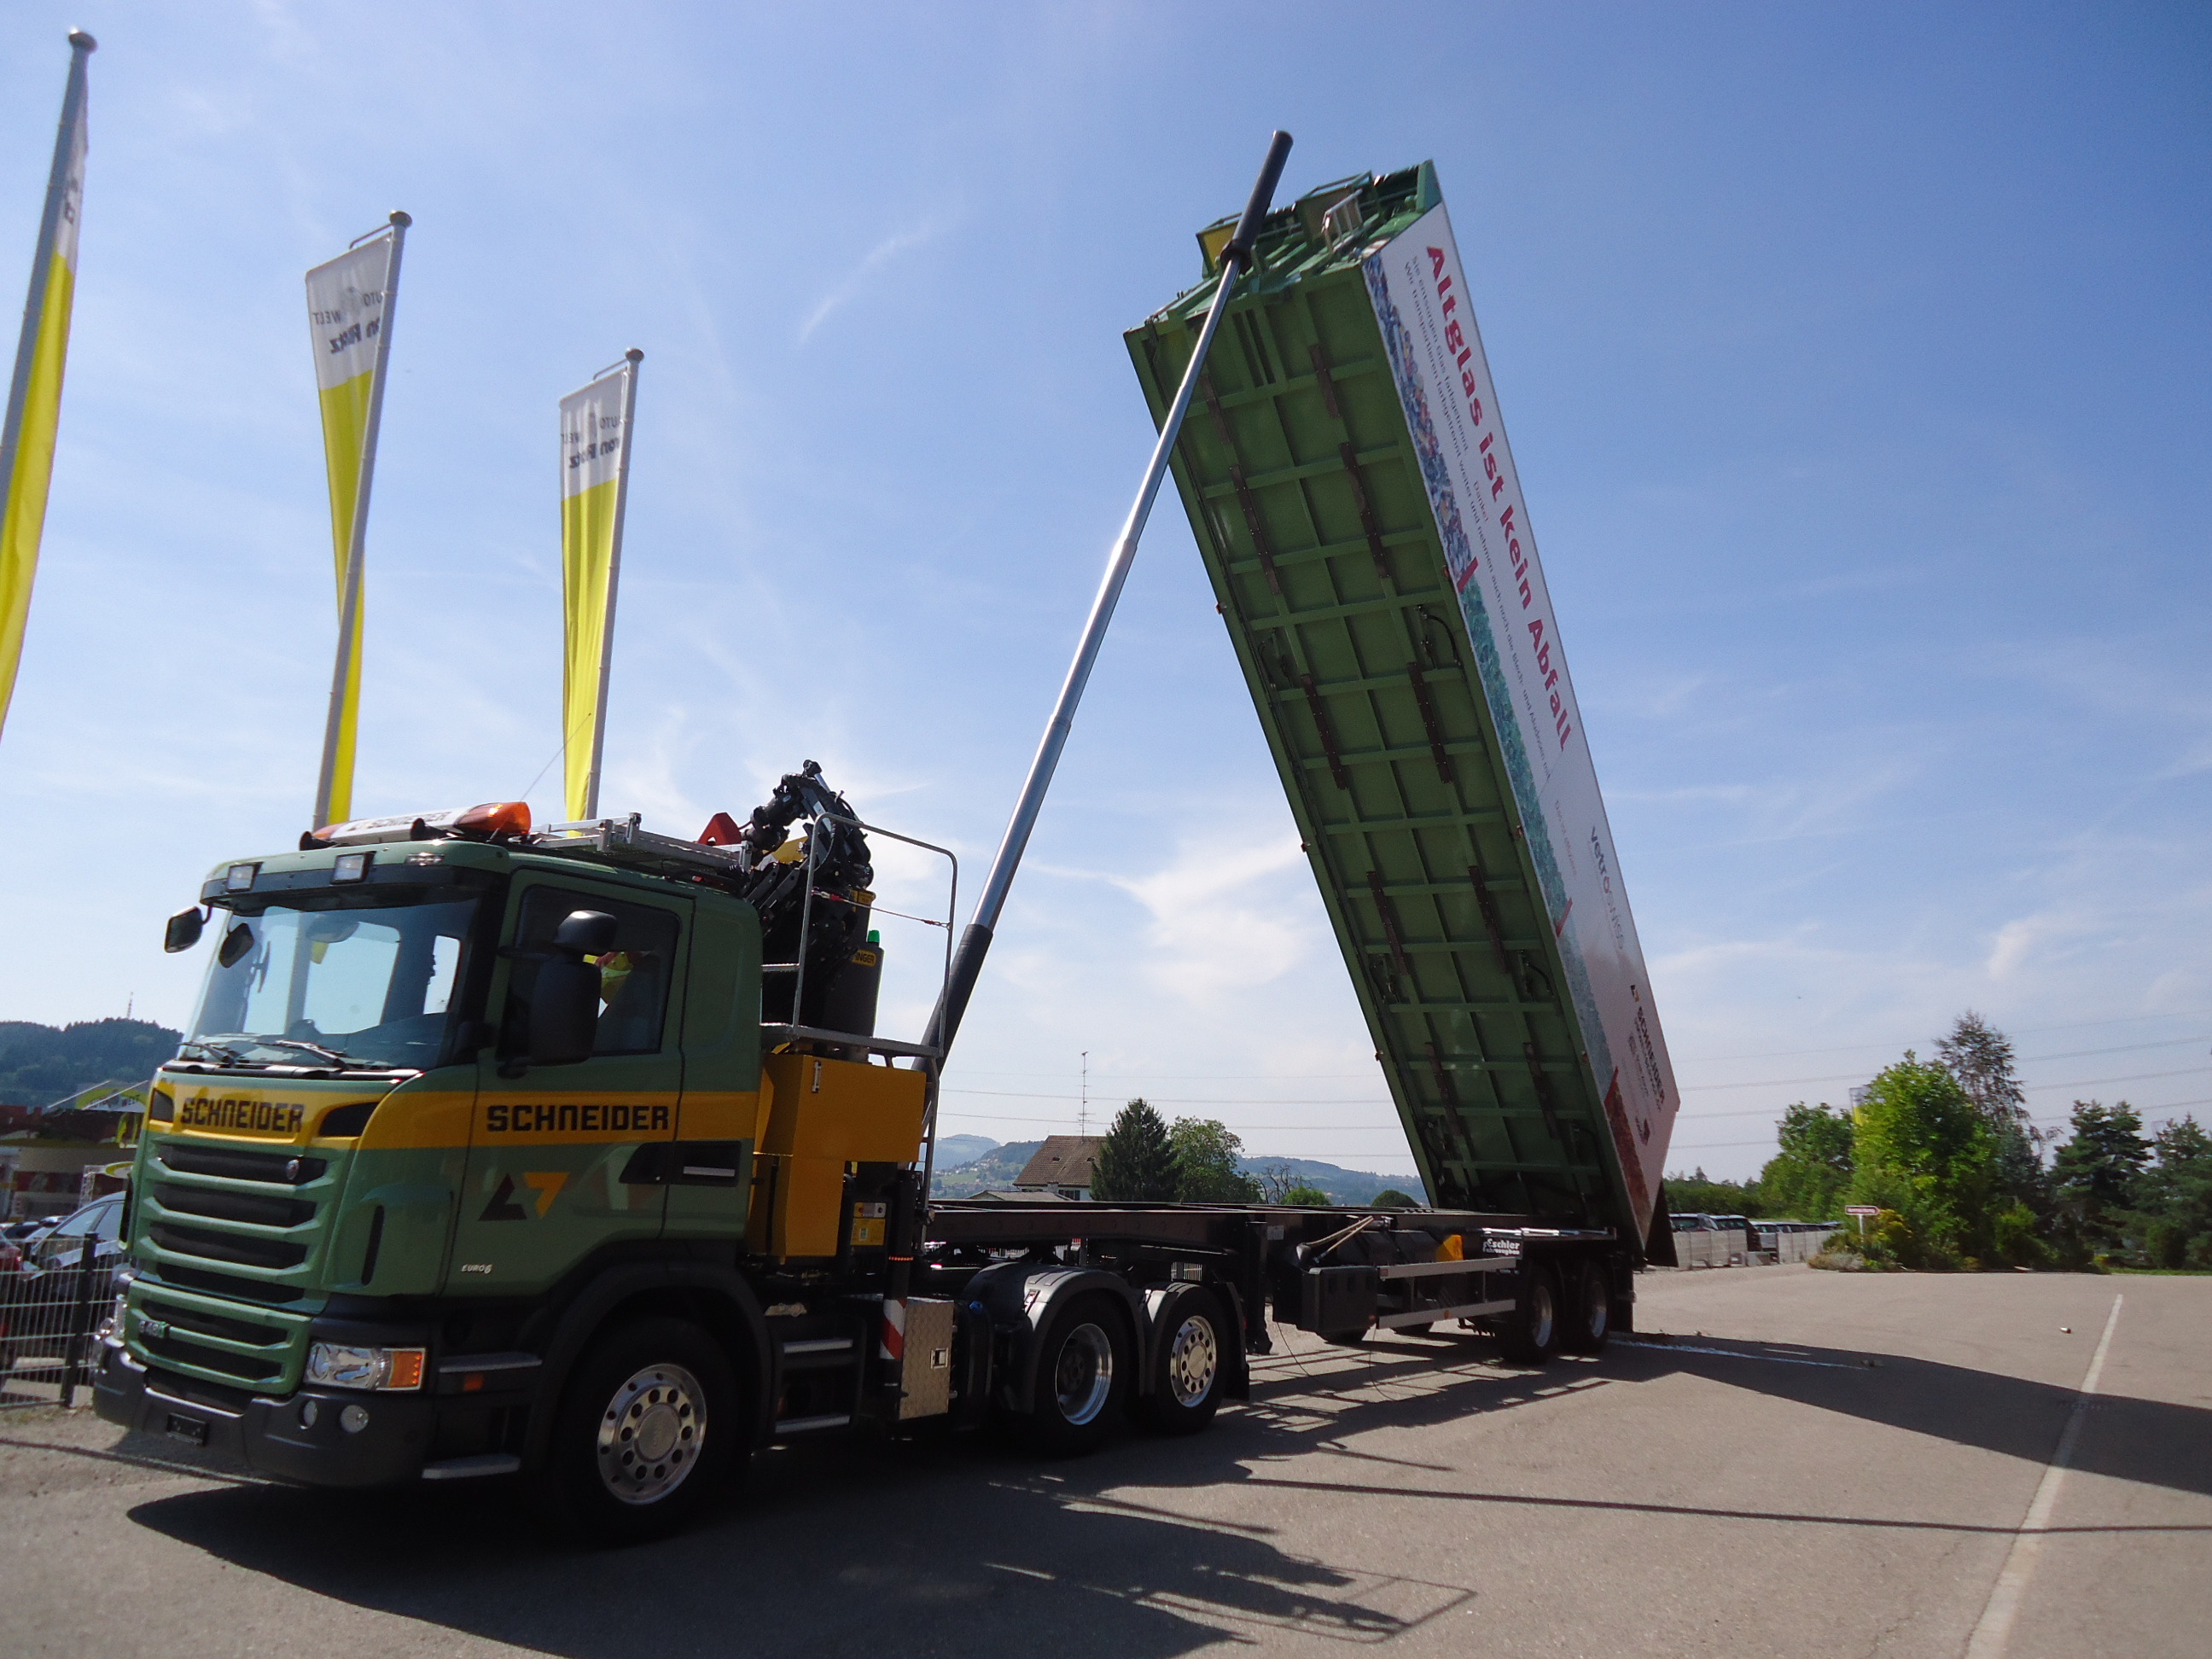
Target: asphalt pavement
x=1810 y=1464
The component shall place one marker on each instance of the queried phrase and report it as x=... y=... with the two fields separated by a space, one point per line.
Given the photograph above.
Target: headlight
x=342 y=1365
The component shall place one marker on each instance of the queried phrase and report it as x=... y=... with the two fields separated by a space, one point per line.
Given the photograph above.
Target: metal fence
x=50 y=1317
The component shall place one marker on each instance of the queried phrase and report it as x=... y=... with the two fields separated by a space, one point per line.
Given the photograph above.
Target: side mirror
x=235 y=943
x=587 y=932
x=564 y=1014
x=564 y=1003
x=184 y=930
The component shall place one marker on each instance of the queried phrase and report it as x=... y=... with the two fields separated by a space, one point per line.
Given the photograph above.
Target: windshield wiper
x=220 y=1051
x=335 y=1056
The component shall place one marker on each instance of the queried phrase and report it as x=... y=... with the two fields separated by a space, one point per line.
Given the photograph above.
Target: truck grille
x=189 y=1334
x=237 y=1249
x=235 y=1163
x=227 y=1243
x=252 y=1207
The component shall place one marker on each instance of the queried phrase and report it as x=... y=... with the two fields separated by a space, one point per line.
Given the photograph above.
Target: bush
x=1892 y=1240
x=2013 y=1232
x=2165 y=1245
x=1391 y=1199
x=1302 y=1193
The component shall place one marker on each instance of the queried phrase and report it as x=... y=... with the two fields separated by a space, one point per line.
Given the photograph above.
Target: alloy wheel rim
x=1193 y=1358
x=1543 y=1315
x=651 y=1434
x=1082 y=1375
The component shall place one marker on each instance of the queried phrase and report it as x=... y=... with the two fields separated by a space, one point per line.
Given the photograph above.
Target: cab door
x=565 y=1160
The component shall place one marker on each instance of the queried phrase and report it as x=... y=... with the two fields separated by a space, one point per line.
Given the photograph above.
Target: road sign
x=1861 y=1209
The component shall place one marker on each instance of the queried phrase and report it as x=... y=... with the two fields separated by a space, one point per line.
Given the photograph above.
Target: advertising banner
x=1420 y=300
x=34 y=392
x=595 y=432
x=349 y=304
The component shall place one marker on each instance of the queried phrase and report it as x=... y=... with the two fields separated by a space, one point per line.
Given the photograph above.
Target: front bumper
x=269 y=1436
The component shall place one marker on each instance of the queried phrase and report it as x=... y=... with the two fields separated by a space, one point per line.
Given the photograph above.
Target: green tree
x=1980 y=1056
x=2095 y=1172
x=1698 y=1194
x=1921 y=1148
x=1206 y=1155
x=1807 y=1179
x=1136 y=1162
x=1302 y=1193
x=2175 y=1195
x=1391 y=1199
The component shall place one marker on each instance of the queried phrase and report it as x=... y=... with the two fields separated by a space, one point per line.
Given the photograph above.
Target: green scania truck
x=573 y=1154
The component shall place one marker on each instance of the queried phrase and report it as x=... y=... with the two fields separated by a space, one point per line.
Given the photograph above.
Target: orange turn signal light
x=495 y=817
x=406 y=1372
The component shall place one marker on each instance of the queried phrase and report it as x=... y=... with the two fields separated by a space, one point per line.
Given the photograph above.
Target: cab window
x=634 y=976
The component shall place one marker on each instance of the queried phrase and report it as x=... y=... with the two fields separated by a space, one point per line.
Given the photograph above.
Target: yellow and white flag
x=349 y=306
x=595 y=439
x=34 y=394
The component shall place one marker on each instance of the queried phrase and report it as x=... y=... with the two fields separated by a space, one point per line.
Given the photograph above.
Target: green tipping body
x=1305 y=494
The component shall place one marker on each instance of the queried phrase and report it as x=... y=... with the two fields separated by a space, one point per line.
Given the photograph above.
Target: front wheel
x=1188 y=1361
x=1081 y=1379
x=648 y=1430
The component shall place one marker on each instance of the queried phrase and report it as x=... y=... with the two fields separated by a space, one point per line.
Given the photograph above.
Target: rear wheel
x=1190 y=1355
x=1590 y=1324
x=1081 y=1379
x=1531 y=1335
x=648 y=1430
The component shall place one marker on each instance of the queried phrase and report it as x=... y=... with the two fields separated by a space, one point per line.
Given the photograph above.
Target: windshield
x=369 y=985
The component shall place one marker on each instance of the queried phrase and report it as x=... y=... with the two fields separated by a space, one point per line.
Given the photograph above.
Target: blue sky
x=1856 y=360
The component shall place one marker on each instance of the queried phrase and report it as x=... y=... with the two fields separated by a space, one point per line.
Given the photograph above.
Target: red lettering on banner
x=1455 y=338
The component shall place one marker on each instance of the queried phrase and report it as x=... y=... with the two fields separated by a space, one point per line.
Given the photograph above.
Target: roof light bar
x=497 y=818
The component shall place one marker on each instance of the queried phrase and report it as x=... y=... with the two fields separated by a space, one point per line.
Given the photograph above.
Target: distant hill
x=39 y=1064
x=955 y=1150
x=1343 y=1185
x=996 y=1168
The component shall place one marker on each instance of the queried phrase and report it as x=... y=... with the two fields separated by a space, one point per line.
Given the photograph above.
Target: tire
x=1531 y=1335
x=659 y=1387
x=1190 y=1356
x=1082 y=1381
x=1588 y=1325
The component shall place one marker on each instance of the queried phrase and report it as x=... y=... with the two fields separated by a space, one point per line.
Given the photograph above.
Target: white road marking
x=1993 y=1629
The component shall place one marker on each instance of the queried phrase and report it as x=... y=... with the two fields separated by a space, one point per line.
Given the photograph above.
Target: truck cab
x=454 y=1094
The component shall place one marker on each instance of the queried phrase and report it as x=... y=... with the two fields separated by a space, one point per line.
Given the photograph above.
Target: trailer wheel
x=648 y=1430
x=1081 y=1379
x=1591 y=1326
x=1530 y=1335
x=1189 y=1356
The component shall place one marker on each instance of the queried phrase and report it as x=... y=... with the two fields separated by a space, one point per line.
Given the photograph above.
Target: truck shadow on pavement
x=922 y=1546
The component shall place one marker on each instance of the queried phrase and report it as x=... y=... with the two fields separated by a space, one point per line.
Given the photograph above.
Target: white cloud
x=856 y=279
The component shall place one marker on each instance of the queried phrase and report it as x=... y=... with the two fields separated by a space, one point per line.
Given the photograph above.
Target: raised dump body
x=1353 y=497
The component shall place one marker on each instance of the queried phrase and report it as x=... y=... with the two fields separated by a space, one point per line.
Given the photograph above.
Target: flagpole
x=349 y=602
x=81 y=46
x=632 y=357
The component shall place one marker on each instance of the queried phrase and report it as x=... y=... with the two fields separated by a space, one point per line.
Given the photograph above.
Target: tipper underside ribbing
x=1306 y=496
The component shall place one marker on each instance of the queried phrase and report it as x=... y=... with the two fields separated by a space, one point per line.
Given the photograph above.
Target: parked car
x=39 y=1300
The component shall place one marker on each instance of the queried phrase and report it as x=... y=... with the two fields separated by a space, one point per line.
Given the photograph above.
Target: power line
x=2026 y=1030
